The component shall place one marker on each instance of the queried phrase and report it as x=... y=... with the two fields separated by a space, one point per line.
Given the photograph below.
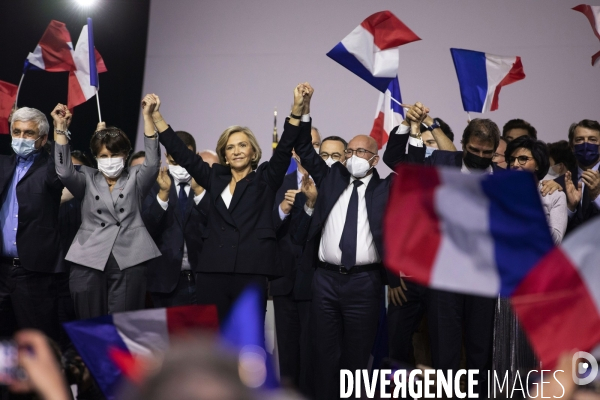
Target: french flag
x=482 y=75
x=116 y=339
x=371 y=49
x=8 y=96
x=593 y=15
x=389 y=113
x=53 y=52
x=83 y=80
x=487 y=235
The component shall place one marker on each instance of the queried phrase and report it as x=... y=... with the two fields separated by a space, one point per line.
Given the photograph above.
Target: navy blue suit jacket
x=38 y=194
x=169 y=232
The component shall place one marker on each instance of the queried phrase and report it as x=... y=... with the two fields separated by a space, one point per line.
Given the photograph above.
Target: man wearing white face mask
x=31 y=261
x=342 y=237
x=110 y=251
x=175 y=214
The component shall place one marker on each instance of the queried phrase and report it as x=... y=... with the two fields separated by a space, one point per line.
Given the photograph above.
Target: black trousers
x=184 y=293
x=344 y=317
x=97 y=293
x=404 y=320
x=28 y=300
x=451 y=313
x=223 y=289
x=292 y=321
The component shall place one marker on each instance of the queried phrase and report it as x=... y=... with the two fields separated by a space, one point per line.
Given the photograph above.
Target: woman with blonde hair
x=239 y=245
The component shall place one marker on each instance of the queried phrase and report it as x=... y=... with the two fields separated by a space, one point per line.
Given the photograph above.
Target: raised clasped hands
x=307 y=92
x=61 y=117
x=150 y=104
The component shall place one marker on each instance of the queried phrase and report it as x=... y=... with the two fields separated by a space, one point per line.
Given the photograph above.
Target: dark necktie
x=183 y=199
x=348 y=241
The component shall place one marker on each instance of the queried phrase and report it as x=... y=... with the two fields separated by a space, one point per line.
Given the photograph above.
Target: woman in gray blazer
x=110 y=249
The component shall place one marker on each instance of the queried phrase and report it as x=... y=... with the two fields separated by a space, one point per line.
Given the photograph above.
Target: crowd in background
x=87 y=236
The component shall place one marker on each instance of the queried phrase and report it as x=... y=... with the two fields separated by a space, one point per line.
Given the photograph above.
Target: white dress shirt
x=226 y=195
x=329 y=248
x=185 y=262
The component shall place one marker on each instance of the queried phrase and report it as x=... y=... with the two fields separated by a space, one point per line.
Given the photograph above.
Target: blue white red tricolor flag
x=83 y=79
x=389 y=113
x=487 y=235
x=593 y=15
x=482 y=75
x=53 y=53
x=371 y=49
x=8 y=95
x=105 y=340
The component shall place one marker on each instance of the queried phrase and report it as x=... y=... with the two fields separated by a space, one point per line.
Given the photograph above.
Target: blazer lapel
x=219 y=184
x=373 y=183
x=104 y=193
x=240 y=188
x=8 y=169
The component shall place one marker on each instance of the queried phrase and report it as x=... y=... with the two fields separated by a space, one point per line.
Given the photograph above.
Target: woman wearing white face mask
x=110 y=250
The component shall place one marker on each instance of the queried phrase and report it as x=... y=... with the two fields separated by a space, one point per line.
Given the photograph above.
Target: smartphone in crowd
x=9 y=362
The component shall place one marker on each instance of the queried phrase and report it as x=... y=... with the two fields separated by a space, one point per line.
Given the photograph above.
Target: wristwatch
x=433 y=126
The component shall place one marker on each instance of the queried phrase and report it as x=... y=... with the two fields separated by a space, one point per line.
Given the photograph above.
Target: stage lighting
x=86 y=3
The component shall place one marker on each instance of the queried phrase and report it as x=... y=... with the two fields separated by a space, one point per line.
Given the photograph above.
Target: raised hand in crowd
x=150 y=110
x=310 y=191
x=44 y=375
x=549 y=187
x=288 y=201
x=573 y=193
x=101 y=125
x=307 y=94
x=592 y=182
x=61 y=118
x=164 y=184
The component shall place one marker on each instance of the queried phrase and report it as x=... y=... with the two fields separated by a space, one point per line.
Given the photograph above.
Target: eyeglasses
x=334 y=156
x=521 y=159
x=359 y=152
x=112 y=132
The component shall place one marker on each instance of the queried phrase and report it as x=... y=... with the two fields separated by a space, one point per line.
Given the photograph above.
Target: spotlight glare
x=86 y=3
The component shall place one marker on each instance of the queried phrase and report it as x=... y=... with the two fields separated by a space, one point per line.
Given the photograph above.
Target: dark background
x=120 y=35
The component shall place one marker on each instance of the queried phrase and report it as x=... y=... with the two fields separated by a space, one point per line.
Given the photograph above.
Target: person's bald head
x=365 y=145
x=209 y=156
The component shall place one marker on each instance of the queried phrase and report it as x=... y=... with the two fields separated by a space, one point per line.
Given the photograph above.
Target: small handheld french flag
x=371 y=49
x=389 y=113
x=482 y=75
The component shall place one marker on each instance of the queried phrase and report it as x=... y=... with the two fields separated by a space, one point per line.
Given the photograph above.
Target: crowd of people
x=83 y=237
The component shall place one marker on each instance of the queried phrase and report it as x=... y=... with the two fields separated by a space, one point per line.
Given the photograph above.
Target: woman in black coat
x=239 y=245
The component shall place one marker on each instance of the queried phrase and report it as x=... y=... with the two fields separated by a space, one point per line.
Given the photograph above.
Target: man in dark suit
x=175 y=214
x=449 y=313
x=31 y=250
x=343 y=243
x=582 y=183
x=292 y=293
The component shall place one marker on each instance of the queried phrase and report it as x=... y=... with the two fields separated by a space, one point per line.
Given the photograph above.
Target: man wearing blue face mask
x=31 y=259
x=582 y=185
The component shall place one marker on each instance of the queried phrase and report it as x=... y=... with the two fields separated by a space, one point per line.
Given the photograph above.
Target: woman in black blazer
x=239 y=245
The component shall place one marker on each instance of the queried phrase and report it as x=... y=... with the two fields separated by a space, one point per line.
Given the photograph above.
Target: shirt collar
x=594 y=168
x=364 y=180
x=30 y=158
x=466 y=170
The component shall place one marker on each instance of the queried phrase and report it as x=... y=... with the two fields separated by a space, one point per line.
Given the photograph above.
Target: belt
x=10 y=261
x=354 y=270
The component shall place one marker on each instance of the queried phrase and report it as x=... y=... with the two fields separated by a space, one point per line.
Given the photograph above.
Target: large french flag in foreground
x=389 y=113
x=487 y=235
x=107 y=340
x=482 y=75
x=592 y=13
x=53 y=52
x=371 y=49
x=83 y=80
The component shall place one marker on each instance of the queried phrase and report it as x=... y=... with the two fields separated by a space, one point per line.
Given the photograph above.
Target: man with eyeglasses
x=333 y=149
x=342 y=238
x=31 y=258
